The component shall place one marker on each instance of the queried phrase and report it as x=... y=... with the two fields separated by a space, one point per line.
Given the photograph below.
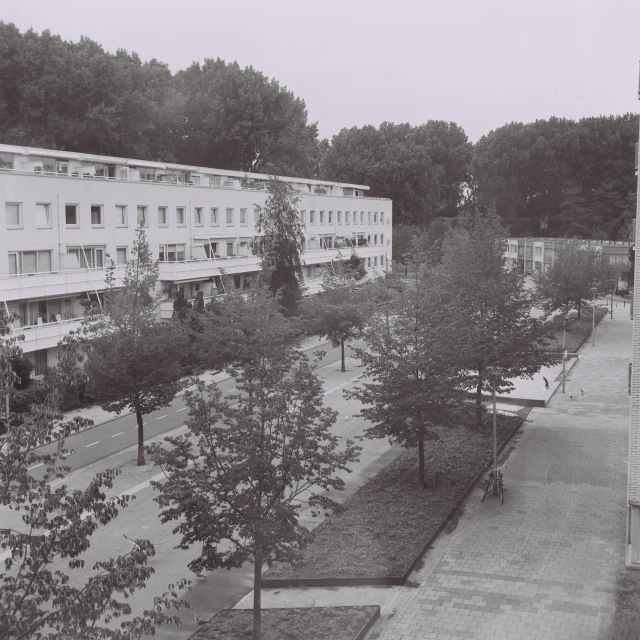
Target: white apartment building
x=63 y=213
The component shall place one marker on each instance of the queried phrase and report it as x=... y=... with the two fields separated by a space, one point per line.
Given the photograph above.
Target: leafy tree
x=133 y=361
x=280 y=245
x=411 y=358
x=576 y=268
x=9 y=351
x=239 y=119
x=403 y=235
x=498 y=330
x=45 y=589
x=243 y=471
x=340 y=311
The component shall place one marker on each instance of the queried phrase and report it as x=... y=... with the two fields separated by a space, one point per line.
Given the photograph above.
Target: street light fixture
x=493 y=373
x=593 y=316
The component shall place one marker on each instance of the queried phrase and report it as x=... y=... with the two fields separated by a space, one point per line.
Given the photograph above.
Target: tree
x=46 y=528
x=245 y=467
x=498 y=330
x=9 y=352
x=576 y=268
x=280 y=244
x=239 y=119
x=340 y=311
x=411 y=357
x=133 y=361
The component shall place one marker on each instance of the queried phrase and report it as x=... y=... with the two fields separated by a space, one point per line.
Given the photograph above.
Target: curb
x=372 y=581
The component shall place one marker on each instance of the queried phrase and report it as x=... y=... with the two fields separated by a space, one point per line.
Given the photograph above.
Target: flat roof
x=132 y=162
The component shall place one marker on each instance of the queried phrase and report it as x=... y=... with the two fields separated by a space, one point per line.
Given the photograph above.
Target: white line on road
x=160 y=418
x=231 y=390
x=117 y=434
x=340 y=386
x=183 y=409
x=35 y=466
x=91 y=445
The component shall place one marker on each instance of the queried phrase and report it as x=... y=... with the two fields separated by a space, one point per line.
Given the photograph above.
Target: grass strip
x=321 y=623
x=578 y=330
x=387 y=522
x=626 y=619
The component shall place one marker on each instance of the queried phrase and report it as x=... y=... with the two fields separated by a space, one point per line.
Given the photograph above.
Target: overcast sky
x=479 y=63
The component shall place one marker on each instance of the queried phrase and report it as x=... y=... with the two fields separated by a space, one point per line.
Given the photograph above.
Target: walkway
x=544 y=564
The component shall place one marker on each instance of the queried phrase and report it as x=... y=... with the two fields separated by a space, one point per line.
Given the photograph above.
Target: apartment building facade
x=65 y=213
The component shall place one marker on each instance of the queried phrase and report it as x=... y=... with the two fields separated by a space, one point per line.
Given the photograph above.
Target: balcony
x=315 y=256
x=47 y=335
x=202 y=269
x=55 y=283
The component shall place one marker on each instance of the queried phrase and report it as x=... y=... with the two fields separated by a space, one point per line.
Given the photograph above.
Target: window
x=368 y=217
x=214 y=217
x=375 y=239
x=375 y=261
x=29 y=262
x=382 y=238
x=14 y=217
x=71 y=215
x=368 y=239
x=243 y=217
x=230 y=249
x=211 y=249
x=163 y=221
x=229 y=217
x=199 y=220
x=171 y=253
x=180 y=220
x=339 y=217
x=312 y=217
x=368 y=262
x=322 y=217
x=121 y=215
x=382 y=217
x=96 y=215
x=303 y=217
x=142 y=217
x=43 y=214
x=330 y=217
x=538 y=252
x=375 y=217
x=121 y=255
x=89 y=257
x=346 y=217
x=361 y=217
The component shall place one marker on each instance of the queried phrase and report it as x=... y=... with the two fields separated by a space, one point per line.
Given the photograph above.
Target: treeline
x=550 y=177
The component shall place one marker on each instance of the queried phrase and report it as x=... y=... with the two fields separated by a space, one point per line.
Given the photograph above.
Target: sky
x=479 y=63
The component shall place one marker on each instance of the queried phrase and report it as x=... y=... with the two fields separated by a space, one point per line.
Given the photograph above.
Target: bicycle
x=496 y=480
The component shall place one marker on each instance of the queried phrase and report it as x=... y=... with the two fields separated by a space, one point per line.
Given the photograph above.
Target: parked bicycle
x=495 y=480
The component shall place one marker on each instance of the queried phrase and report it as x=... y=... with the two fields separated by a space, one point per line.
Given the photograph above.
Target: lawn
x=578 y=330
x=387 y=522
x=626 y=619
x=321 y=623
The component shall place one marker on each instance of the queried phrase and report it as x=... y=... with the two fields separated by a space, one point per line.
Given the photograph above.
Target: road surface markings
x=340 y=386
x=160 y=418
x=183 y=409
x=231 y=390
x=117 y=434
x=35 y=466
x=91 y=445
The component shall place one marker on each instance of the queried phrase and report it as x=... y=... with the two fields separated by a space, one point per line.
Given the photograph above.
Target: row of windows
x=96 y=212
x=348 y=218
x=26 y=262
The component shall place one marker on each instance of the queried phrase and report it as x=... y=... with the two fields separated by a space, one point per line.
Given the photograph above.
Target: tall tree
x=236 y=481
x=498 y=330
x=45 y=589
x=338 y=313
x=412 y=343
x=133 y=361
x=280 y=243
x=239 y=119
x=576 y=269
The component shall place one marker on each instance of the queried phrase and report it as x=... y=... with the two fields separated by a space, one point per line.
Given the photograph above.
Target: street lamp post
x=593 y=316
x=494 y=373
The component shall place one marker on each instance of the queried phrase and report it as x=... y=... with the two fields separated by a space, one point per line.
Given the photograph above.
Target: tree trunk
x=421 y=478
x=136 y=404
x=257 y=592
x=479 y=402
x=579 y=307
x=342 y=345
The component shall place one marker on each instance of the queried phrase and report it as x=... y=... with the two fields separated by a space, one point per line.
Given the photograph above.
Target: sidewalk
x=544 y=564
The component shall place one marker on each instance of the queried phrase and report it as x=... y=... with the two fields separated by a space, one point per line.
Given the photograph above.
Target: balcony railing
x=46 y=335
x=193 y=269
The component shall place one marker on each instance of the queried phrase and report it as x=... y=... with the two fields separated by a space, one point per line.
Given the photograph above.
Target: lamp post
x=593 y=316
x=493 y=373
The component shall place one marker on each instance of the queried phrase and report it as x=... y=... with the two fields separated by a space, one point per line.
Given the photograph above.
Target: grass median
x=321 y=623
x=578 y=330
x=387 y=522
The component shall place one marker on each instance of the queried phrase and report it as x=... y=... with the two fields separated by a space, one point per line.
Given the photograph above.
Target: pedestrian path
x=544 y=564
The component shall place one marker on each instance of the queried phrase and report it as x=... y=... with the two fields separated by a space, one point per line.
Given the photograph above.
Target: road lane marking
x=160 y=418
x=117 y=434
x=340 y=386
x=231 y=390
x=91 y=445
x=183 y=409
x=35 y=466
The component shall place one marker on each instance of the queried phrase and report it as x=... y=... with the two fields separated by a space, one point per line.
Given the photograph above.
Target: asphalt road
x=103 y=440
